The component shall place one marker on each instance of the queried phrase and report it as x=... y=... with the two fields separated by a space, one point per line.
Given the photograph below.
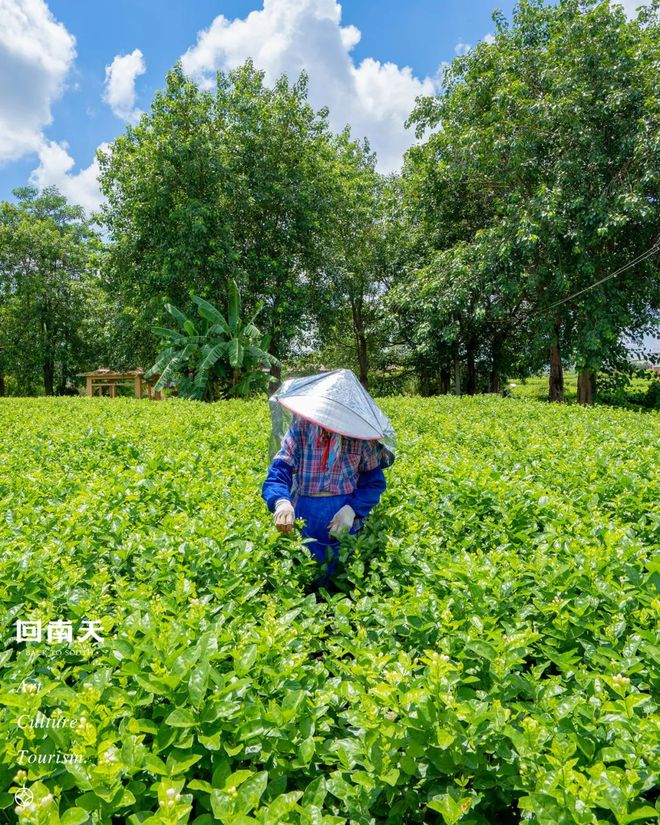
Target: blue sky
x=73 y=73
x=54 y=57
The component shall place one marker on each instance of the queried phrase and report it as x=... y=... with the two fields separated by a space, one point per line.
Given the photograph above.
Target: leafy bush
x=492 y=658
x=218 y=358
x=632 y=389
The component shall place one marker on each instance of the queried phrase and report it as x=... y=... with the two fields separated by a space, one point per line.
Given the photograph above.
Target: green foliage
x=542 y=179
x=217 y=358
x=354 y=328
x=535 y=177
x=641 y=391
x=492 y=656
x=50 y=295
x=237 y=183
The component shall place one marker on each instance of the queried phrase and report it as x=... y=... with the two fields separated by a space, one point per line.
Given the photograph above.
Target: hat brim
x=332 y=415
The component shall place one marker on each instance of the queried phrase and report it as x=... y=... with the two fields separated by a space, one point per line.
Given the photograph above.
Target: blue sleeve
x=370 y=486
x=278 y=483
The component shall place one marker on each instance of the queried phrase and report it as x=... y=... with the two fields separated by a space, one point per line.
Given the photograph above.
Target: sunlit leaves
x=493 y=652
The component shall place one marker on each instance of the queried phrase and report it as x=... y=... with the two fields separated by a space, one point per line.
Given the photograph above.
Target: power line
x=648 y=254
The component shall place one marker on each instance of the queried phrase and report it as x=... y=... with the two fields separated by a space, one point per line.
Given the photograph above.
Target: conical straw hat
x=336 y=401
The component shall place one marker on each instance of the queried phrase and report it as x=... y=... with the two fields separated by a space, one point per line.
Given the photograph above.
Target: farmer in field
x=328 y=469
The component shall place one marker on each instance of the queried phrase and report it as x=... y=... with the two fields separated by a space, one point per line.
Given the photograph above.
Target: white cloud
x=36 y=53
x=462 y=48
x=55 y=165
x=350 y=36
x=291 y=35
x=120 y=78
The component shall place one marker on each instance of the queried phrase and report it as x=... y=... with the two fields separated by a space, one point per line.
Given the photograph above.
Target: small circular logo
x=23 y=796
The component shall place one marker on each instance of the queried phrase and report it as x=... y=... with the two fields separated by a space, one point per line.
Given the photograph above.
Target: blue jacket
x=279 y=484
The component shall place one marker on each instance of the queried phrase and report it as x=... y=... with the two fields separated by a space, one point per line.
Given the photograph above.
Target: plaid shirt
x=306 y=448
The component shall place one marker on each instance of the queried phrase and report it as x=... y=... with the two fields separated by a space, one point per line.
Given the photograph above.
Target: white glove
x=283 y=515
x=342 y=520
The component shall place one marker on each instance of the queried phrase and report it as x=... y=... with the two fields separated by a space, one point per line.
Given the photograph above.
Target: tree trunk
x=49 y=375
x=471 y=382
x=275 y=378
x=556 y=383
x=495 y=378
x=429 y=382
x=457 y=375
x=363 y=362
x=445 y=380
x=361 y=342
x=61 y=383
x=586 y=386
x=48 y=366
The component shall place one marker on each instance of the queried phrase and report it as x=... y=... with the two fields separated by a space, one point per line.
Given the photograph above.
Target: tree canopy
x=49 y=289
x=519 y=235
x=540 y=177
x=239 y=183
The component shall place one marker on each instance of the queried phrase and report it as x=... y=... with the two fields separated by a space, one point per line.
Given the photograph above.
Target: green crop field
x=492 y=656
x=636 y=393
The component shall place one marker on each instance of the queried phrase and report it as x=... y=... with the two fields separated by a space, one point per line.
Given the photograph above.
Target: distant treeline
x=520 y=233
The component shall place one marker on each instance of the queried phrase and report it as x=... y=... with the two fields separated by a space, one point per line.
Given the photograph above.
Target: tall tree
x=283 y=178
x=48 y=284
x=350 y=317
x=217 y=185
x=546 y=165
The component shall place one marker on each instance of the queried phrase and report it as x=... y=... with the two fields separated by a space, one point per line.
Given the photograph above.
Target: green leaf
x=283 y=805
x=211 y=313
x=452 y=810
x=444 y=738
x=177 y=314
x=216 y=352
x=237 y=778
x=645 y=812
x=306 y=750
x=257 y=311
x=74 y=816
x=180 y=718
x=244 y=659
x=178 y=763
x=250 y=792
x=315 y=793
x=155 y=764
x=200 y=785
x=235 y=351
x=197 y=683
x=250 y=331
x=222 y=806
x=234 y=306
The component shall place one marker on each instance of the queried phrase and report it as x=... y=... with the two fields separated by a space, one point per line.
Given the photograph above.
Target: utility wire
x=648 y=254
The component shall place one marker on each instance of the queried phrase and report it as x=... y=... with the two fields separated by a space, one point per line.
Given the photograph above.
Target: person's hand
x=283 y=515
x=342 y=520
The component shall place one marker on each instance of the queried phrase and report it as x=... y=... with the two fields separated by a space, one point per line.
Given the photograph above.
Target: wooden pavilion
x=105 y=381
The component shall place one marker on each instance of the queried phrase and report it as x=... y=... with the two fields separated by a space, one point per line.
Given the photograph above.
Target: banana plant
x=216 y=356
